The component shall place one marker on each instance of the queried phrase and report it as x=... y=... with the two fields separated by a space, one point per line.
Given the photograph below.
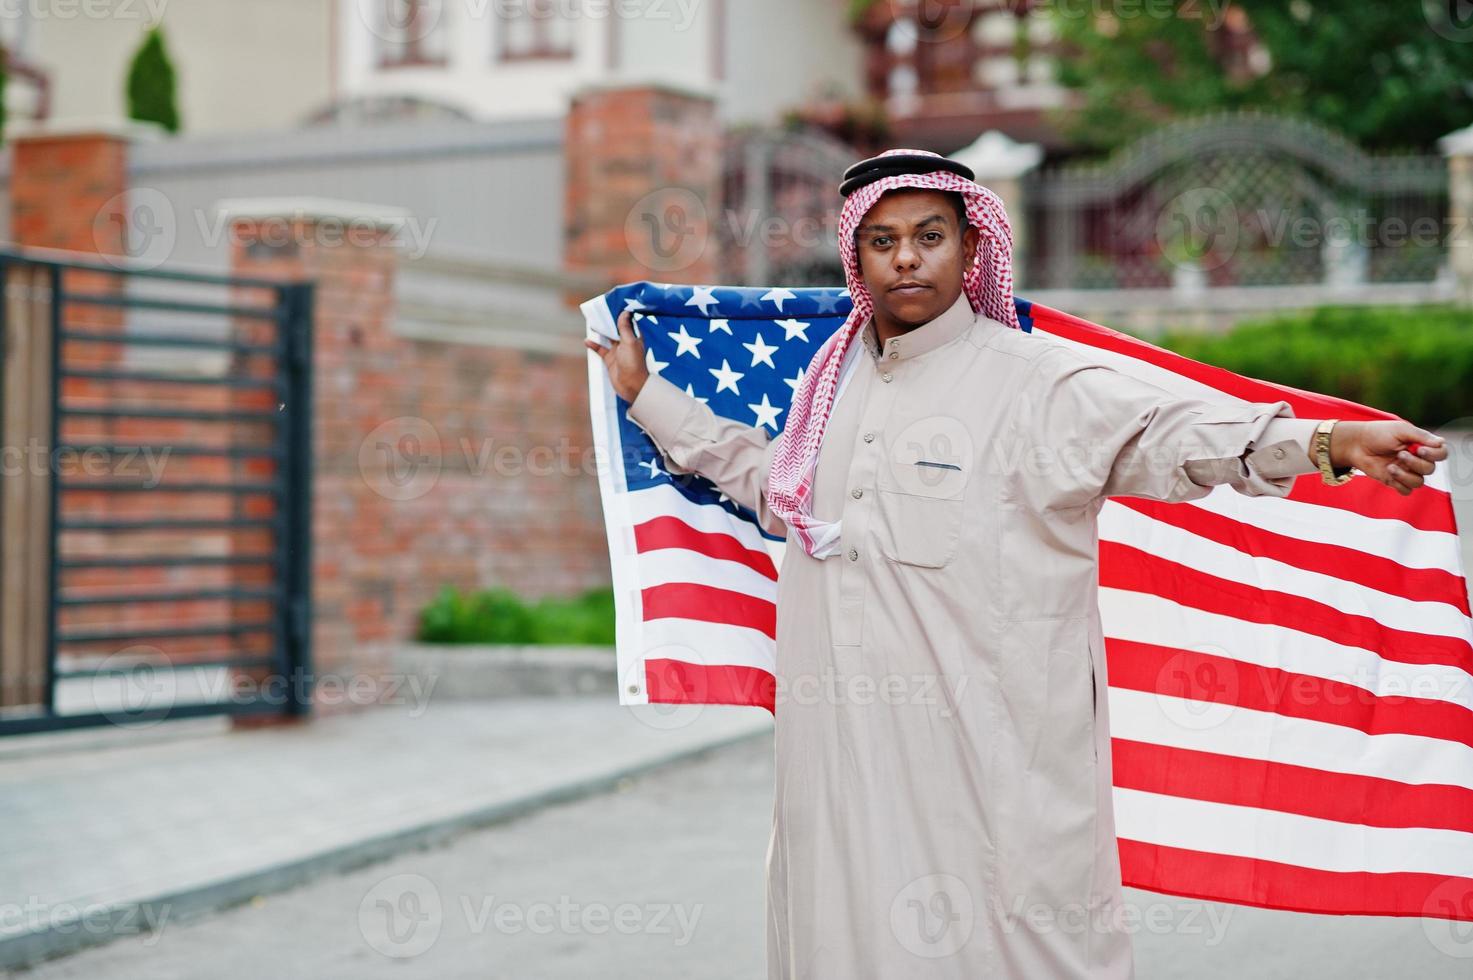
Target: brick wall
x=434 y=463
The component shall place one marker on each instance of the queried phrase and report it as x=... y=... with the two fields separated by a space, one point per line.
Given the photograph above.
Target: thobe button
x=885 y=376
x=856 y=493
x=1278 y=454
x=853 y=554
x=869 y=437
x=895 y=353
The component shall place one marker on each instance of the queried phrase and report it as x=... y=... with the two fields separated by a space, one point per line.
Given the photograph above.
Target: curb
x=60 y=938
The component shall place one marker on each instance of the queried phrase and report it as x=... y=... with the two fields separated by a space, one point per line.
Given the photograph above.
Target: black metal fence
x=154 y=495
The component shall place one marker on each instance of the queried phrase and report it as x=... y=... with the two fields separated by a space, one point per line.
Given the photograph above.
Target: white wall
x=780 y=51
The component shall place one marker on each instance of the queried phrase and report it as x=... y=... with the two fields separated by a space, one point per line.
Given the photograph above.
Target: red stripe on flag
x=672 y=532
x=1337 y=561
x=678 y=682
x=688 y=600
x=1208 y=678
x=1274 y=885
x=1234 y=780
x=1124 y=567
x=1426 y=508
x=1251 y=389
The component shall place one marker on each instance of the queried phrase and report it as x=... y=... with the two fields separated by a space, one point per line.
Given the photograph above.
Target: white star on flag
x=778 y=295
x=761 y=352
x=793 y=328
x=702 y=296
x=719 y=325
x=795 y=380
x=653 y=465
x=690 y=391
x=654 y=366
x=685 y=343
x=726 y=378
x=766 y=412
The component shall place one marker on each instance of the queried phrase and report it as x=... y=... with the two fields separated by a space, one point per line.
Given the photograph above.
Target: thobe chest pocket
x=919 y=505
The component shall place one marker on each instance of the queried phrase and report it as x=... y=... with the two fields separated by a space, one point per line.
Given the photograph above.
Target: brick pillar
x=348 y=249
x=643 y=191
x=68 y=191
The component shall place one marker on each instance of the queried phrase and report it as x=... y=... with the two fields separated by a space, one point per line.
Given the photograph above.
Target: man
x=939 y=482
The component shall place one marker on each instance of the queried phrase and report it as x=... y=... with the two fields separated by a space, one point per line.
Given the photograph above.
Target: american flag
x=1316 y=755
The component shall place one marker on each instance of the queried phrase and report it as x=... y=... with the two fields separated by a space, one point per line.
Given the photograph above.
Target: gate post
x=642 y=184
x=340 y=328
x=1458 y=148
x=1000 y=164
x=68 y=190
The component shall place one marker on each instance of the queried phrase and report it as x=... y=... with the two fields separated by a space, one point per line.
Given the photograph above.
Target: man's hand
x=1379 y=450
x=624 y=359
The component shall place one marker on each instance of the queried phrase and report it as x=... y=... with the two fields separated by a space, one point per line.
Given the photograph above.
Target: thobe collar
x=940 y=329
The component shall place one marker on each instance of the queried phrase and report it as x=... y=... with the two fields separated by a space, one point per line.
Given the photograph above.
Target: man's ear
x=969 y=247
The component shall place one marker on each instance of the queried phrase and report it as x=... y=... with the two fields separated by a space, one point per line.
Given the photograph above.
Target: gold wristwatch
x=1331 y=475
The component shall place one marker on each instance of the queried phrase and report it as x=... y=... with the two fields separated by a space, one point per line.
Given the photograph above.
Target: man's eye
x=936 y=233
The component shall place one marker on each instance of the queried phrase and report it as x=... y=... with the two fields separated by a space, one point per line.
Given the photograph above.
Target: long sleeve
x=694 y=439
x=1104 y=433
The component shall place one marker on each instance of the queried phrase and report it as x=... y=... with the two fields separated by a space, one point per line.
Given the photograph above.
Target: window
x=410 y=33
x=531 y=29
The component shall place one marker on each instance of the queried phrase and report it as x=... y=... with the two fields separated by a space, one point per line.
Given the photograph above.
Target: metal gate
x=1238 y=199
x=154 y=495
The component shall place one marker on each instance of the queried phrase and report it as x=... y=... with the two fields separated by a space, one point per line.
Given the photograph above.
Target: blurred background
x=306 y=629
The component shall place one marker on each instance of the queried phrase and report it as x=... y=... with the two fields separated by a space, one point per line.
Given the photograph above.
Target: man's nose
x=906 y=256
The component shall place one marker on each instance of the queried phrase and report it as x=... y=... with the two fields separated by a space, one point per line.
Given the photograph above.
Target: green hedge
x=1415 y=362
x=501 y=616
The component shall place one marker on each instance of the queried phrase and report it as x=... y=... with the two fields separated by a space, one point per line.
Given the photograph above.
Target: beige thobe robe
x=943 y=791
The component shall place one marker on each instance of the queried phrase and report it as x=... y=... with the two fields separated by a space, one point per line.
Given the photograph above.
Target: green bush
x=501 y=616
x=1414 y=362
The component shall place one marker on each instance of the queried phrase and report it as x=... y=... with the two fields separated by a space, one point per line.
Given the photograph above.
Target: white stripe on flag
x=1160 y=719
x=709 y=644
x=1172 y=543
x=668 y=566
x=1290 y=838
x=1407 y=546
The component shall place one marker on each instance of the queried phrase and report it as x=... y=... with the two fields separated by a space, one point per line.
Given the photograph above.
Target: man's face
x=911 y=235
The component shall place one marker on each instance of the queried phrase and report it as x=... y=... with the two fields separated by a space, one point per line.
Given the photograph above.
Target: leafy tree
x=151 y=83
x=1387 y=75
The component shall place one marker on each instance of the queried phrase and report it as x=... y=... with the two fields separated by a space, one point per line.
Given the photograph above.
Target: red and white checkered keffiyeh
x=988 y=286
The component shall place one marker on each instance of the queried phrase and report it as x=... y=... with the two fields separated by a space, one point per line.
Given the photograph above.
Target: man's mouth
x=909 y=289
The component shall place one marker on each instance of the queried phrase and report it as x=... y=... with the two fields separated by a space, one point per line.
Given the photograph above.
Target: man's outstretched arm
x=1116 y=435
